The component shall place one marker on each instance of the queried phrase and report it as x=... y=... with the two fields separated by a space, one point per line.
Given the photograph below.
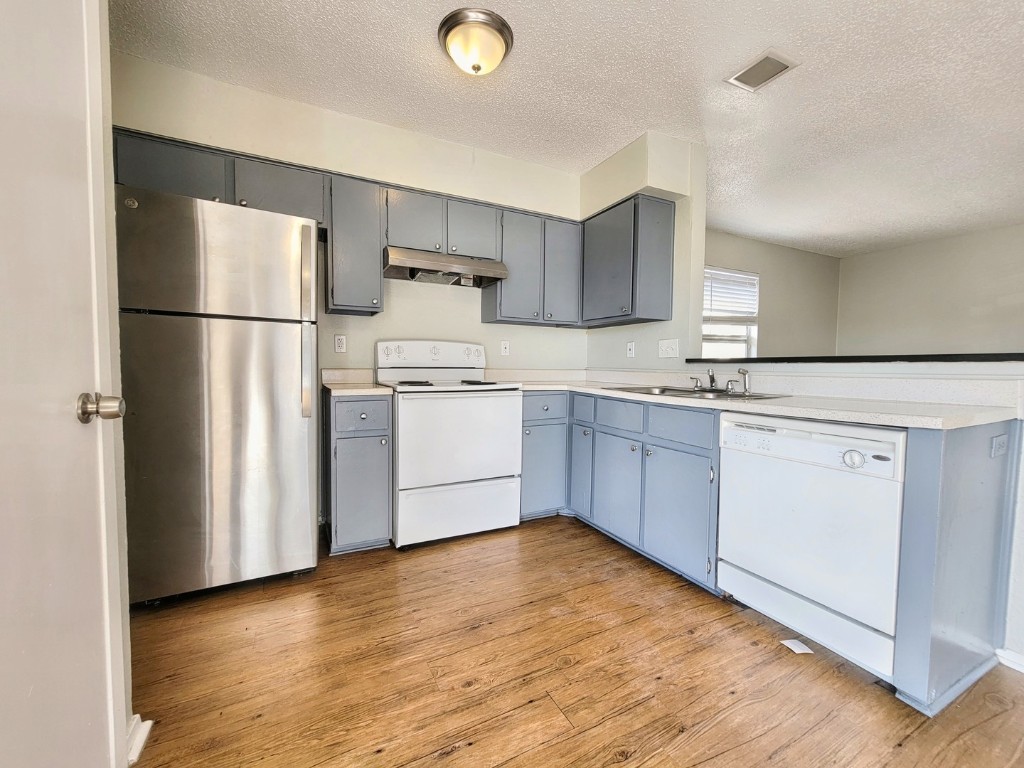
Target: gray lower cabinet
x=677 y=510
x=358 y=483
x=581 y=469
x=627 y=263
x=173 y=168
x=282 y=189
x=618 y=470
x=355 y=280
x=544 y=465
x=472 y=230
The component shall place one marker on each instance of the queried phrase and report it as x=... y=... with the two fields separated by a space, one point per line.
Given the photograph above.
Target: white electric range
x=457 y=440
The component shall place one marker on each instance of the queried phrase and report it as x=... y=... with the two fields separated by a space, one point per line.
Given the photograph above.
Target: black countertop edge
x=983 y=357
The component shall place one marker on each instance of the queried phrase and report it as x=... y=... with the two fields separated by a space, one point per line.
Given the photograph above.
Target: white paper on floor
x=796 y=646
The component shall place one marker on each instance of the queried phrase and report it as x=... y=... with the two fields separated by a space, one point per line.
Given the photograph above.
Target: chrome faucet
x=712 y=381
x=746 y=379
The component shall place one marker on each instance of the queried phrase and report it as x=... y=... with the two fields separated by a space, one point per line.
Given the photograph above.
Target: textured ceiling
x=904 y=121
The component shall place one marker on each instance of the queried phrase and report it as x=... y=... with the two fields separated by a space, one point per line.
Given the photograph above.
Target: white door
x=63 y=643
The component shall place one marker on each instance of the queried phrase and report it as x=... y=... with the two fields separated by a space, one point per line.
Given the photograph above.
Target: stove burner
x=477 y=383
x=415 y=383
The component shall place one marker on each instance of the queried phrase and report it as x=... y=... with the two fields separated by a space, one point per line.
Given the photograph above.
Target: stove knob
x=399 y=350
x=387 y=351
x=853 y=459
x=477 y=353
x=435 y=351
x=467 y=352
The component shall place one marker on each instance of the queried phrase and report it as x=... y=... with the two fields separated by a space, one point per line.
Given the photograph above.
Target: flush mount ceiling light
x=476 y=39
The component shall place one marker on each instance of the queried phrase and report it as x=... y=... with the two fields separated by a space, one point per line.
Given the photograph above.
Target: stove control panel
x=430 y=354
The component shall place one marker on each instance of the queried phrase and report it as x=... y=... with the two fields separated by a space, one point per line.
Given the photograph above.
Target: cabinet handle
x=362 y=416
x=625 y=310
x=383 y=441
x=375 y=301
x=216 y=199
x=648 y=452
x=549 y=315
x=243 y=202
x=586 y=433
x=632 y=448
x=527 y=431
x=547 y=408
x=437 y=246
x=453 y=249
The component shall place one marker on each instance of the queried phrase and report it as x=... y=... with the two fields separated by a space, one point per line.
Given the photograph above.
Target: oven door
x=456 y=437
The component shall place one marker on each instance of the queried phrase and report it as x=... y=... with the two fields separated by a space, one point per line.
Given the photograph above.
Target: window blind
x=730 y=296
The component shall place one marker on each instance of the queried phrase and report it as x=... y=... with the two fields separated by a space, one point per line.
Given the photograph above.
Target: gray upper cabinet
x=281 y=189
x=627 y=263
x=562 y=271
x=677 y=510
x=415 y=220
x=355 y=280
x=472 y=230
x=543 y=259
x=618 y=469
x=158 y=165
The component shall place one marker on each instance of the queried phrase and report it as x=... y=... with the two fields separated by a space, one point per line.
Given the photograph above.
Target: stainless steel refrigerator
x=218 y=361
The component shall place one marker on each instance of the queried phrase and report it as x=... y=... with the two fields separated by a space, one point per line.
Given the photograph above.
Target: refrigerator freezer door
x=179 y=254
x=219 y=458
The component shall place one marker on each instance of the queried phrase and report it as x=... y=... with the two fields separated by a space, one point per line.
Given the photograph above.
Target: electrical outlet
x=506 y=348
x=999 y=446
x=630 y=349
x=668 y=348
x=339 y=343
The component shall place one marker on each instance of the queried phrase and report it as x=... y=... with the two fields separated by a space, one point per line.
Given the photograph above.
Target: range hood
x=441 y=268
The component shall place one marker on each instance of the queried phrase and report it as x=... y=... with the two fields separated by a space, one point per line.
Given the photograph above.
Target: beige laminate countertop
x=353 y=390
x=889 y=413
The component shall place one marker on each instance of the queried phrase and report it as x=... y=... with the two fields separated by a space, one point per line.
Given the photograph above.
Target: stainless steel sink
x=700 y=394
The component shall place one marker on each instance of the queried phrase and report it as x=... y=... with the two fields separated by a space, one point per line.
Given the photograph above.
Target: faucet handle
x=697 y=383
x=730 y=386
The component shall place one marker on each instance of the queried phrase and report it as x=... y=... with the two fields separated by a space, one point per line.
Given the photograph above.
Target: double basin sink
x=701 y=394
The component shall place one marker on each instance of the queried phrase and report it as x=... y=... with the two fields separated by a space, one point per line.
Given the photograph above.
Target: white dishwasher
x=809 y=529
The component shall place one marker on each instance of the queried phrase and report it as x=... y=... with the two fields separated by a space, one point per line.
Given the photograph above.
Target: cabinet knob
x=437 y=246
x=648 y=452
x=216 y=199
x=453 y=249
x=586 y=433
x=632 y=448
x=375 y=301
x=362 y=416
x=549 y=315
x=547 y=408
x=536 y=314
x=526 y=431
x=243 y=202
x=383 y=441
x=625 y=310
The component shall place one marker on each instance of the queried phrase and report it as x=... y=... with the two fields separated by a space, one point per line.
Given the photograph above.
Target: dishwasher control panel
x=874 y=451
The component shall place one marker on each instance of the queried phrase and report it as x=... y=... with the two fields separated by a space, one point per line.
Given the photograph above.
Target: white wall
x=799 y=293
x=956 y=294
x=183 y=105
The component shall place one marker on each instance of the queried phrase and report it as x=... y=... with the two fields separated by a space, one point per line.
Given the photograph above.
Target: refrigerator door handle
x=306 y=364
x=306 y=298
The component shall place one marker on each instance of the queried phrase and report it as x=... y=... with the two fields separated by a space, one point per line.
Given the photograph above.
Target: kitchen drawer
x=691 y=427
x=620 y=414
x=361 y=415
x=545 y=406
x=583 y=408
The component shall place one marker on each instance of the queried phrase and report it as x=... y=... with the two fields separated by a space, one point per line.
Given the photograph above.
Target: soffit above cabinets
x=902 y=121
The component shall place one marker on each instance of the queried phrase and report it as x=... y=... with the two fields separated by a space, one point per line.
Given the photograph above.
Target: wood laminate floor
x=544 y=645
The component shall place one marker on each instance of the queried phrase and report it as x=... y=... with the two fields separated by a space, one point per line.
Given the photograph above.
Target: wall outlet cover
x=630 y=349
x=340 y=343
x=668 y=348
x=506 y=348
x=1000 y=444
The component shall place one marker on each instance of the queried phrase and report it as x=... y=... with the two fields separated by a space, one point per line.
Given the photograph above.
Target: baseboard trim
x=1012 y=659
x=138 y=732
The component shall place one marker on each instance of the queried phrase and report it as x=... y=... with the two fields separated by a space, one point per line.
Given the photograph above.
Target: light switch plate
x=668 y=348
x=340 y=343
x=630 y=349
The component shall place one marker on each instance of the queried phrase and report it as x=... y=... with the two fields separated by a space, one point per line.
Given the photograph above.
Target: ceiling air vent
x=765 y=68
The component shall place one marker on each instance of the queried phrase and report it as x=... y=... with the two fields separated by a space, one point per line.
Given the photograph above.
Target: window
x=730 y=313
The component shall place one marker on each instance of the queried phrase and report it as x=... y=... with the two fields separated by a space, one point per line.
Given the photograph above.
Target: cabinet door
x=362 y=491
x=618 y=466
x=415 y=220
x=608 y=263
x=169 y=168
x=543 y=480
x=562 y=272
x=581 y=470
x=472 y=230
x=356 y=276
x=677 y=509
x=277 y=188
x=522 y=252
